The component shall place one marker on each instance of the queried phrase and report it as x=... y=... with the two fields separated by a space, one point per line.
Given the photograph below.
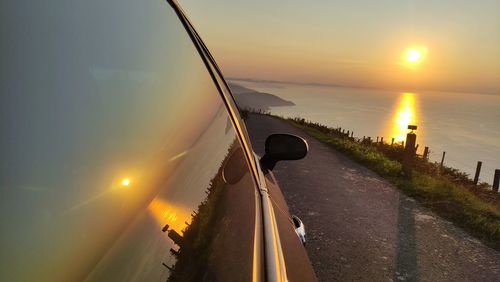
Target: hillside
x=250 y=99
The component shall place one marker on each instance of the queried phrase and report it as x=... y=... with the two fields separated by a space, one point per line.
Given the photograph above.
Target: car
x=124 y=156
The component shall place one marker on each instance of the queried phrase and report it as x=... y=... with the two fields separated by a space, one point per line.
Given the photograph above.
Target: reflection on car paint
x=112 y=120
x=195 y=178
x=197 y=239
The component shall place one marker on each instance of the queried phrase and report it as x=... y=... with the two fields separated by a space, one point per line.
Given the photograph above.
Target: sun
x=125 y=182
x=413 y=55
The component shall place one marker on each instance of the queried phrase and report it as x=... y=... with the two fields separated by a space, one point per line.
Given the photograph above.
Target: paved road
x=361 y=228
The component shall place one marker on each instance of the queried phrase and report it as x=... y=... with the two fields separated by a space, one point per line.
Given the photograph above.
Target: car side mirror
x=281 y=147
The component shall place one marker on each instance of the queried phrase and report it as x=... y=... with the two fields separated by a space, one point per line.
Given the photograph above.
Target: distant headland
x=251 y=99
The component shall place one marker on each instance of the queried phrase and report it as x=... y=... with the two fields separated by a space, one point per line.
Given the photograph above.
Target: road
x=361 y=228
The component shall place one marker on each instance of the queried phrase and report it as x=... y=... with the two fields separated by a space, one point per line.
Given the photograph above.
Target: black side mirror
x=281 y=147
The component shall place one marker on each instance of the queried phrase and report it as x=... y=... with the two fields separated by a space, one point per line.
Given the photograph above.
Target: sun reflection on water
x=167 y=213
x=405 y=114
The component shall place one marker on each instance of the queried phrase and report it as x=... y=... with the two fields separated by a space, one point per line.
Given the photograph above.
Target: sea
x=464 y=125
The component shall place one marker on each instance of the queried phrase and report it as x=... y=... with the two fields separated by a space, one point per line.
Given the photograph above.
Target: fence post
x=392 y=141
x=409 y=151
x=382 y=140
x=352 y=134
x=478 y=171
x=496 y=180
x=442 y=158
x=377 y=139
x=426 y=153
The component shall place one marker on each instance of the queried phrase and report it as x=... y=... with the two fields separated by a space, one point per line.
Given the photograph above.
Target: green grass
x=450 y=200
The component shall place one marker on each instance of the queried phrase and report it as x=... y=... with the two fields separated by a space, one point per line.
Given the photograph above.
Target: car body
x=124 y=157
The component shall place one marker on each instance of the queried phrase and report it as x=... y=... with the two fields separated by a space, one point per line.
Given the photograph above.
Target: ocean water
x=464 y=125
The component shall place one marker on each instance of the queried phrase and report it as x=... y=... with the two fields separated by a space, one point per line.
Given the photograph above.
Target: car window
x=119 y=160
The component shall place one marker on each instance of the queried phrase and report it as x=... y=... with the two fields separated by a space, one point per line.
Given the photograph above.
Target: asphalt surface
x=361 y=228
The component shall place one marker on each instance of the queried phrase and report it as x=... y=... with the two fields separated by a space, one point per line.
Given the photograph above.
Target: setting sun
x=413 y=55
x=125 y=182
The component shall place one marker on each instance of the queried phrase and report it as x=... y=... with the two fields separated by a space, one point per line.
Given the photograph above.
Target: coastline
x=463 y=125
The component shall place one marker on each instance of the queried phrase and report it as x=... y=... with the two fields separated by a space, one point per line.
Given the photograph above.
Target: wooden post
x=409 y=153
x=176 y=237
x=442 y=159
x=381 y=140
x=377 y=139
x=426 y=153
x=169 y=268
x=392 y=141
x=496 y=180
x=403 y=143
x=478 y=171
x=352 y=134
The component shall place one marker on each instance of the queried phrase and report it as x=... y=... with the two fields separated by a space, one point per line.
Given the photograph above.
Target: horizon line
x=312 y=83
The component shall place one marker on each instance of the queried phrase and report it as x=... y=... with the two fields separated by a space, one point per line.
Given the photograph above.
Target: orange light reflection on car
x=166 y=213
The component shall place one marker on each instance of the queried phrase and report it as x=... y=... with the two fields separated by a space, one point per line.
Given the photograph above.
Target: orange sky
x=356 y=43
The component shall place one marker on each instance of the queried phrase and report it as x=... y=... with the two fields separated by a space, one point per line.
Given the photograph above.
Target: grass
x=446 y=192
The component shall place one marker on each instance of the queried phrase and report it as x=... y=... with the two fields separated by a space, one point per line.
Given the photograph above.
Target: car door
x=120 y=158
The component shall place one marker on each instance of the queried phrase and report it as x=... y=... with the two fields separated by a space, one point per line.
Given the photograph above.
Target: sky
x=355 y=43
